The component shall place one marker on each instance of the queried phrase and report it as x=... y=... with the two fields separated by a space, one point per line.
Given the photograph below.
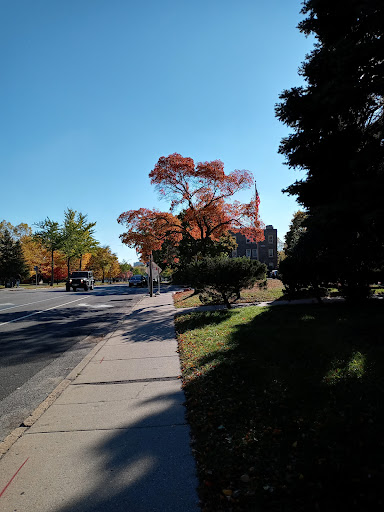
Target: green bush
x=222 y=278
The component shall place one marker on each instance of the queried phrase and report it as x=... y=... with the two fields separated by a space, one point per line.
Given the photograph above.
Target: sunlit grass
x=285 y=406
x=342 y=370
x=273 y=290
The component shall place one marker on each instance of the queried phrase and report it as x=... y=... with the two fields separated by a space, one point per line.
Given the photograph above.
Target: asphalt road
x=44 y=334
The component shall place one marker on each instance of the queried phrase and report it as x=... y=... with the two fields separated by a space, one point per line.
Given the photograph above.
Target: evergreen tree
x=12 y=263
x=338 y=123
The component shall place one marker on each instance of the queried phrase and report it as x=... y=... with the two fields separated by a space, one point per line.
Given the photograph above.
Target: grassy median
x=286 y=406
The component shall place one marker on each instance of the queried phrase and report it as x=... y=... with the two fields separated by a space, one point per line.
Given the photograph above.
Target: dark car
x=138 y=280
x=80 y=279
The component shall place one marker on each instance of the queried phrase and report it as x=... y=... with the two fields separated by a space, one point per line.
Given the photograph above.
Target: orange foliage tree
x=199 y=211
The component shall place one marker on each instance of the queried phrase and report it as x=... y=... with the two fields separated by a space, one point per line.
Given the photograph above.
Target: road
x=44 y=334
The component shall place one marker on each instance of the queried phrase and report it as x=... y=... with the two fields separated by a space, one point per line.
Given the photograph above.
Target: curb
x=51 y=398
x=54 y=395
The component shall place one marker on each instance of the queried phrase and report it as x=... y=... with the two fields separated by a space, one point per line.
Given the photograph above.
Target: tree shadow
x=298 y=399
x=147 y=466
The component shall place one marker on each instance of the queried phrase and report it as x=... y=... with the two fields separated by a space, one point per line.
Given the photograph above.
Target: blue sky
x=94 y=92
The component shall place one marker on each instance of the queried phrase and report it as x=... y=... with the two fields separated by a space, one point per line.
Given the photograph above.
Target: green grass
x=286 y=406
x=273 y=291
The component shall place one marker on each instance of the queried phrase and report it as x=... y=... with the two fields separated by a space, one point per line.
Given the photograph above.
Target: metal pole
x=150 y=276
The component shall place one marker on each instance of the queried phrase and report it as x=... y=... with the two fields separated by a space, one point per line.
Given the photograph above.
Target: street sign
x=156 y=270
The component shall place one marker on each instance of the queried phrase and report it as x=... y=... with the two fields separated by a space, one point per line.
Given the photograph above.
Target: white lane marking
x=27 y=304
x=7 y=304
x=38 y=312
x=95 y=306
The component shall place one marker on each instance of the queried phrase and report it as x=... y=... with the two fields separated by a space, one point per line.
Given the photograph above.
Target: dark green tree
x=338 y=122
x=222 y=278
x=51 y=236
x=12 y=263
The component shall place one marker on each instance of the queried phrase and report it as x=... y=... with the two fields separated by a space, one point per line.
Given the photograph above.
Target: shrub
x=223 y=277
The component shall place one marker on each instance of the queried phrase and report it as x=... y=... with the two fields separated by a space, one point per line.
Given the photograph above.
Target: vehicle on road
x=137 y=280
x=80 y=279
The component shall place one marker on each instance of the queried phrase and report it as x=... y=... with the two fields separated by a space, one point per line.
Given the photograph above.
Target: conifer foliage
x=337 y=120
x=12 y=263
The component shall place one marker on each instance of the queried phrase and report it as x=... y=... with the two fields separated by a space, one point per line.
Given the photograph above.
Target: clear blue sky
x=93 y=92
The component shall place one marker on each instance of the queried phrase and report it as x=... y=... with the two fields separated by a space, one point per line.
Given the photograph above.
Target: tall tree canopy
x=50 y=235
x=200 y=211
x=338 y=120
x=77 y=236
x=104 y=263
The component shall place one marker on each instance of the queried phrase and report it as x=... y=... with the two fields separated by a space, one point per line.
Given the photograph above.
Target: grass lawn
x=273 y=291
x=286 y=406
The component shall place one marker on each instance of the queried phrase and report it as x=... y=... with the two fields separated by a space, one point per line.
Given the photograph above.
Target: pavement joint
x=127 y=381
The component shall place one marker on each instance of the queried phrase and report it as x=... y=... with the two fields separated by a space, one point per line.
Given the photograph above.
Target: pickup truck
x=80 y=279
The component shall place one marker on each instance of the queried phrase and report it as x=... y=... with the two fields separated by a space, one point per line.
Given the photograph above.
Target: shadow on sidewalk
x=143 y=468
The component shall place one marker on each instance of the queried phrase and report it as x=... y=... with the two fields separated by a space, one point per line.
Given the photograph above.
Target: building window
x=270 y=253
x=254 y=253
x=234 y=253
x=270 y=239
x=248 y=240
x=248 y=253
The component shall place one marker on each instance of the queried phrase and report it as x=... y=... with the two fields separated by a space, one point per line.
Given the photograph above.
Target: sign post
x=153 y=272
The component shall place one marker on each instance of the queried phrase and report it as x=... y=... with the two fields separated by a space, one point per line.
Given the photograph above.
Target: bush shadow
x=276 y=404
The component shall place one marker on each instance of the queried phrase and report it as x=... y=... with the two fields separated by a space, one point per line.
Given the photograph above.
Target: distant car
x=274 y=274
x=137 y=280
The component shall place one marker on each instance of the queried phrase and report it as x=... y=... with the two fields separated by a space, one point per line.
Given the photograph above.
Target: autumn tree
x=126 y=270
x=77 y=236
x=337 y=122
x=200 y=209
x=35 y=254
x=102 y=263
x=17 y=232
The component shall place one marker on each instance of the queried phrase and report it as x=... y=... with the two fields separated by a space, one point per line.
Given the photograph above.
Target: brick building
x=265 y=251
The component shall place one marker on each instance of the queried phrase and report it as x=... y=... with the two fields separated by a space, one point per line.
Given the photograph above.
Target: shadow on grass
x=290 y=417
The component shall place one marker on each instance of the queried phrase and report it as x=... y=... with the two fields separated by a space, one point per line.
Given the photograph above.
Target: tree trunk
x=52 y=265
x=226 y=301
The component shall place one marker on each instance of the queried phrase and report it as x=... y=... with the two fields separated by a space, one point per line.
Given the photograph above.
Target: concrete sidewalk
x=116 y=439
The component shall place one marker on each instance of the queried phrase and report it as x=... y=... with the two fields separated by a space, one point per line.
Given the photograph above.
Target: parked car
x=137 y=280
